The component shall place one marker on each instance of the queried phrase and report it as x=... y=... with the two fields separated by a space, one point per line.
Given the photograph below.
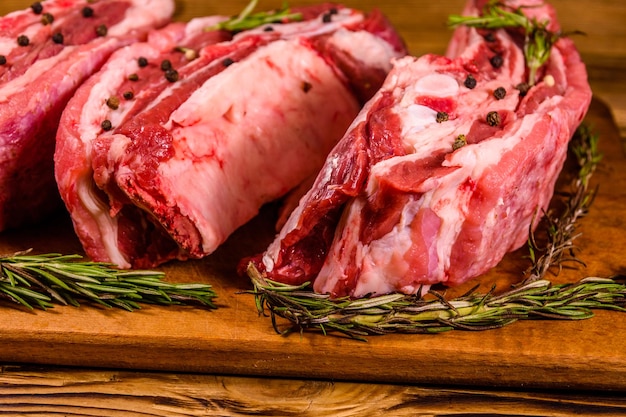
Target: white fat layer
x=436 y=85
x=143 y=13
x=199 y=24
x=19 y=85
x=106 y=224
x=365 y=47
x=109 y=81
x=383 y=261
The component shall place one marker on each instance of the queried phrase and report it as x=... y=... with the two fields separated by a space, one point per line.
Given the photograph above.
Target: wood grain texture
x=292 y=376
x=33 y=392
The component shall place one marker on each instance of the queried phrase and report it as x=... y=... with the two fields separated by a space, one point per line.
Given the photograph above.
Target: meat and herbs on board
x=46 y=52
x=162 y=138
x=447 y=167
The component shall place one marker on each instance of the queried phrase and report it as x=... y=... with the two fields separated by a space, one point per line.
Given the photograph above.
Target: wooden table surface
x=37 y=390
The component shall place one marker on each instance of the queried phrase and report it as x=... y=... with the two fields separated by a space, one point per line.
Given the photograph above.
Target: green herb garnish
x=247 y=20
x=41 y=281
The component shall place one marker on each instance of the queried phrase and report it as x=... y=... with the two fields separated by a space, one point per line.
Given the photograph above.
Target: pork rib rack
x=180 y=140
x=441 y=173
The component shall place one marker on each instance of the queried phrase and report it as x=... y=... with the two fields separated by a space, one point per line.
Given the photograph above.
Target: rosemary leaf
x=41 y=281
x=247 y=20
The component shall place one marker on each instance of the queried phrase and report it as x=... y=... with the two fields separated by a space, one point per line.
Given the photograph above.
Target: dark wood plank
x=87 y=392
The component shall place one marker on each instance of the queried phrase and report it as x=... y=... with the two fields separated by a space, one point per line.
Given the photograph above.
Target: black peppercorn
x=57 y=38
x=227 y=62
x=142 y=62
x=23 y=40
x=3 y=60
x=87 y=11
x=499 y=93
x=37 y=7
x=493 y=118
x=268 y=29
x=166 y=65
x=106 y=125
x=128 y=95
x=496 y=61
x=470 y=82
x=171 y=75
x=327 y=18
x=442 y=116
x=523 y=88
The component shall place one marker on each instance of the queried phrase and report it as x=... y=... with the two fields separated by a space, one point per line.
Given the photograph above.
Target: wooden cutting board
x=234 y=339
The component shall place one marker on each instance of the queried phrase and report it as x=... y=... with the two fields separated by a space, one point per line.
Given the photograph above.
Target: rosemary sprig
x=536 y=297
x=538 y=40
x=41 y=281
x=398 y=313
x=248 y=20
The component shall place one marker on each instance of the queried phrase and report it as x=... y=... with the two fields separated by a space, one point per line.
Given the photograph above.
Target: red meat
x=186 y=161
x=46 y=55
x=398 y=207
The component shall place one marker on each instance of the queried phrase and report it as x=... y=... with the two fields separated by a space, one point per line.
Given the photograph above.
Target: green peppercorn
x=442 y=116
x=113 y=102
x=459 y=142
x=133 y=77
x=47 y=19
x=102 y=30
x=493 y=118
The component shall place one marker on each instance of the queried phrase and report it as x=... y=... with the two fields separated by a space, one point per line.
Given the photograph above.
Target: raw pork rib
x=191 y=153
x=397 y=206
x=47 y=51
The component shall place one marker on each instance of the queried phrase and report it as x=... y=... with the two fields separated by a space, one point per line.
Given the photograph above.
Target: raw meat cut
x=441 y=173
x=46 y=51
x=190 y=151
